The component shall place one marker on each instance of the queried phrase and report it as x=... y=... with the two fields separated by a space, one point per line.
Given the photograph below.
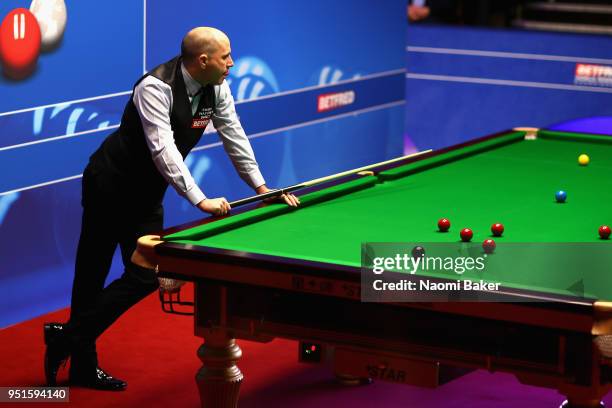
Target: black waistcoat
x=123 y=164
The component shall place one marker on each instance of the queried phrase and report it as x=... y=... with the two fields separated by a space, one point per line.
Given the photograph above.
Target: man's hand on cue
x=215 y=206
x=287 y=198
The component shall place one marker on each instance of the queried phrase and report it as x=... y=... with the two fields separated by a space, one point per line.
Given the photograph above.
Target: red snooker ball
x=443 y=224
x=466 y=234
x=489 y=246
x=497 y=229
x=19 y=43
x=604 y=232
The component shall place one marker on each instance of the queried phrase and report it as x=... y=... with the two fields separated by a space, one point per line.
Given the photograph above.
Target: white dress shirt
x=153 y=100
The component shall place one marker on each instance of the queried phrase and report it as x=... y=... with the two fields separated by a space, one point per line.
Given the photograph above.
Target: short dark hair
x=185 y=53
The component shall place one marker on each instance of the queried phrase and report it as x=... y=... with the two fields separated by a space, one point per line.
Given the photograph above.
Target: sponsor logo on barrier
x=594 y=75
x=335 y=100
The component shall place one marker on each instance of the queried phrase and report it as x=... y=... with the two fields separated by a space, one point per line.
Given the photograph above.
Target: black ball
x=418 y=251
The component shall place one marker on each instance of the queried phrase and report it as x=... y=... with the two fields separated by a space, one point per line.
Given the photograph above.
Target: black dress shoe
x=57 y=351
x=96 y=379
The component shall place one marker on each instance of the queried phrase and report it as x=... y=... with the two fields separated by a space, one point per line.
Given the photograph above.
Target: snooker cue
x=281 y=191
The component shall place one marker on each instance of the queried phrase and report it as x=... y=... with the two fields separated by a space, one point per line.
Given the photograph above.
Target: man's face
x=219 y=63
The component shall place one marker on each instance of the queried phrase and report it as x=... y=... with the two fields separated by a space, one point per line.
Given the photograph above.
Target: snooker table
x=274 y=271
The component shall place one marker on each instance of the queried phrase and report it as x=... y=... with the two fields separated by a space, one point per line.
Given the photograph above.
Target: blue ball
x=561 y=196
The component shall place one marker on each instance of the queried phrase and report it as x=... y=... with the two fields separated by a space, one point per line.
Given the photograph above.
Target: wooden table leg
x=219 y=378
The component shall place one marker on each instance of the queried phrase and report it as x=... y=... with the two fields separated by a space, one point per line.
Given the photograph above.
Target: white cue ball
x=52 y=17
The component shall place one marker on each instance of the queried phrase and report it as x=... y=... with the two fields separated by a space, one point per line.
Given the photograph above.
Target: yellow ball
x=583 y=159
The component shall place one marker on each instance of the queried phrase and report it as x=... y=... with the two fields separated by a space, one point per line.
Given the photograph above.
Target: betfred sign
x=594 y=75
x=335 y=100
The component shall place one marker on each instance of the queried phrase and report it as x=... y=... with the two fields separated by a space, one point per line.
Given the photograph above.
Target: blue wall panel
x=467 y=82
x=101 y=53
x=295 y=39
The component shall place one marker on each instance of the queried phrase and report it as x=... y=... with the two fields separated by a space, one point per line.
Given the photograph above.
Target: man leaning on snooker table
x=124 y=184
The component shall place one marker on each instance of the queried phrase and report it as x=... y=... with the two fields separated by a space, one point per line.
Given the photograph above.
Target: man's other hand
x=287 y=198
x=215 y=206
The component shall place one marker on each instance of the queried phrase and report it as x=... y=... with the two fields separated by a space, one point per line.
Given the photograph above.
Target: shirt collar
x=193 y=86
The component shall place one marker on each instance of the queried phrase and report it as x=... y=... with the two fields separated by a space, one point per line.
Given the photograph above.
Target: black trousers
x=109 y=219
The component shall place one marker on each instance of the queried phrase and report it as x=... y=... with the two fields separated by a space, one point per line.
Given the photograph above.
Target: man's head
x=207 y=55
